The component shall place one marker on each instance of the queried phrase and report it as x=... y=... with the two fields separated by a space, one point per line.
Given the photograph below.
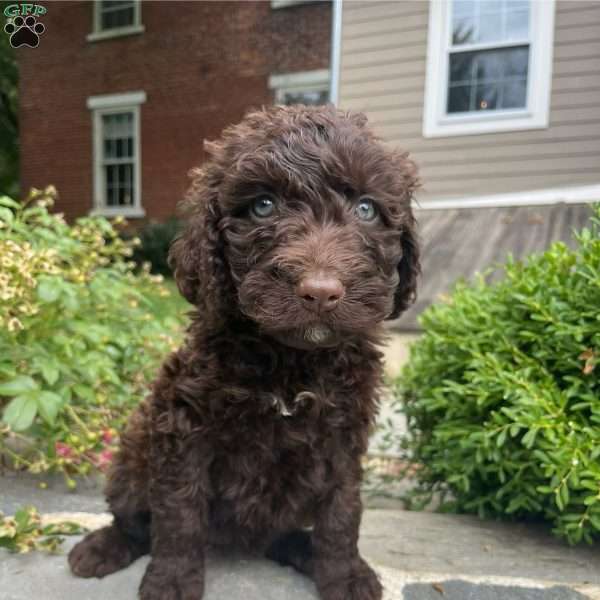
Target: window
x=114 y=18
x=116 y=130
x=307 y=87
x=489 y=66
x=286 y=3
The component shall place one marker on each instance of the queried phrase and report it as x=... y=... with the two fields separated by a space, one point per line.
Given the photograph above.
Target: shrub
x=502 y=393
x=79 y=336
x=155 y=241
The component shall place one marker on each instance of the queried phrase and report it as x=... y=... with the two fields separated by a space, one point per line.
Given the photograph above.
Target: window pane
x=517 y=25
x=117 y=13
x=118 y=152
x=109 y=149
x=117 y=125
x=310 y=97
x=516 y=63
x=488 y=21
x=117 y=132
x=514 y=94
x=111 y=178
x=119 y=189
x=486 y=96
x=488 y=80
x=459 y=98
x=126 y=185
x=108 y=5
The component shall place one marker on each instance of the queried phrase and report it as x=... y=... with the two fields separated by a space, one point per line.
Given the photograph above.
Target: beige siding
x=384 y=49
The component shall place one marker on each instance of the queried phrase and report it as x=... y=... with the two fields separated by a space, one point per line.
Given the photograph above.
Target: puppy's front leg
x=339 y=570
x=179 y=505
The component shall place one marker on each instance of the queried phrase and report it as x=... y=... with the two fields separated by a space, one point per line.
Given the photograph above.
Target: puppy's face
x=315 y=226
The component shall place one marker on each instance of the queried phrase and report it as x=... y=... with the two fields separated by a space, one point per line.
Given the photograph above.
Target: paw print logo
x=24 y=32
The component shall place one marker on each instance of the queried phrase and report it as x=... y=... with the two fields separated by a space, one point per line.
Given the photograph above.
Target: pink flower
x=63 y=450
x=103 y=459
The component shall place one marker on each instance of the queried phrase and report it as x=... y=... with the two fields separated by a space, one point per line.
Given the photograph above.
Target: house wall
x=201 y=64
x=383 y=68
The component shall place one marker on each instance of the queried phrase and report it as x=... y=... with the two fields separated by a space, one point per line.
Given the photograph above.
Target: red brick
x=201 y=64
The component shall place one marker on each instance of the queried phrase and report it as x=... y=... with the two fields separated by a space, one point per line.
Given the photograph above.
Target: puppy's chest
x=273 y=465
x=283 y=436
x=278 y=443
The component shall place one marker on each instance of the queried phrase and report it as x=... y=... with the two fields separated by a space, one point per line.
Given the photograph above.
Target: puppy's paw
x=166 y=580
x=100 y=553
x=338 y=582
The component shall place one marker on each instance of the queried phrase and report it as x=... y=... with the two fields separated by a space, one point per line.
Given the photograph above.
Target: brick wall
x=201 y=64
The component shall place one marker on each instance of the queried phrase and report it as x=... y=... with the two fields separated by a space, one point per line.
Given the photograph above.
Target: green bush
x=81 y=334
x=502 y=393
x=155 y=241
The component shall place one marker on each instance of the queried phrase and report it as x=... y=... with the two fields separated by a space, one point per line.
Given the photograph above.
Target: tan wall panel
x=370 y=11
x=584 y=15
x=383 y=74
x=377 y=26
x=523 y=152
x=557 y=135
x=384 y=71
x=396 y=56
x=358 y=89
x=507 y=166
x=587 y=31
x=386 y=41
x=459 y=188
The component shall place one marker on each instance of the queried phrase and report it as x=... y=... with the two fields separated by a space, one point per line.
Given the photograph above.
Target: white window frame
x=111 y=104
x=102 y=34
x=536 y=115
x=302 y=81
x=286 y=3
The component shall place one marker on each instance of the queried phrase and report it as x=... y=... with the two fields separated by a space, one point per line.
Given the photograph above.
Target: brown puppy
x=300 y=242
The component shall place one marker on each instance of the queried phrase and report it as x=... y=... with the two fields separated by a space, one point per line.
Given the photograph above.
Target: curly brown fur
x=213 y=456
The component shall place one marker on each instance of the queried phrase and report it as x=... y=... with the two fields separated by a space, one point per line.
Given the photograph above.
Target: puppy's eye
x=366 y=210
x=262 y=207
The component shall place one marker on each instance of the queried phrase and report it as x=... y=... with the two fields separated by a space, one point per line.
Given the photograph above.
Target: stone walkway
x=419 y=556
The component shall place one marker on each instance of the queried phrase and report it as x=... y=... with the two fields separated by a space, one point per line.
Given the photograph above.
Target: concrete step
x=419 y=556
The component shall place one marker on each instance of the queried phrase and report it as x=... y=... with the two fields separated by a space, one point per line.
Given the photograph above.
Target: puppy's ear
x=196 y=256
x=409 y=269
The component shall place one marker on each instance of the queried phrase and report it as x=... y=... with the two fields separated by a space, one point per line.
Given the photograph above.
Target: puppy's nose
x=320 y=293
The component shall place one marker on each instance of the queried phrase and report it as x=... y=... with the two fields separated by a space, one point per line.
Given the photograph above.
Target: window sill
x=129 y=212
x=489 y=123
x=286 y=3
x=97 y=36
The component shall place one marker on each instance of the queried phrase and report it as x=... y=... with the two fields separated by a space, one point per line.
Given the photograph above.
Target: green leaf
x=564 y=495
x=23 y=518
x=48 y=406
x=84 y=391
x=20 y=412
x=63 y=528
x=18 y=385
x=501 y=437
x=49 y=369
x=529 y=438
x=49 y=290
x=6 y=201
x=6 y=215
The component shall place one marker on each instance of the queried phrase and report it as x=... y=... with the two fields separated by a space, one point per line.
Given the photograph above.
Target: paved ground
x=420 y=556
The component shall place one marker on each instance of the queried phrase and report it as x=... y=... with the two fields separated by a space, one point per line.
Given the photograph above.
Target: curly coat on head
x=300 y=242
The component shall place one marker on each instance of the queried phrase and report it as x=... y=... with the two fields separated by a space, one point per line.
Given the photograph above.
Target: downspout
x=336 y=52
